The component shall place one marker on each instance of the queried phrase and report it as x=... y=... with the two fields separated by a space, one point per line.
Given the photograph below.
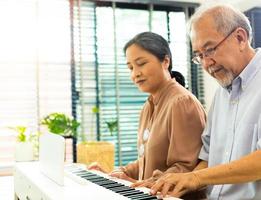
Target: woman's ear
x=166 y=62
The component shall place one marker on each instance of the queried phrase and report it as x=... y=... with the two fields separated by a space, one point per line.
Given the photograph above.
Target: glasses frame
x=197 y=59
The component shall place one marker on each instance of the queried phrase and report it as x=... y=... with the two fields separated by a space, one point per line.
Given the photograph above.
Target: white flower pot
x=24 y=151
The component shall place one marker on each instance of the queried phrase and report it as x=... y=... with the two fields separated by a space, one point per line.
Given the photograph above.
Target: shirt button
x=146 y=135
x=141 y=150
x=233 y=101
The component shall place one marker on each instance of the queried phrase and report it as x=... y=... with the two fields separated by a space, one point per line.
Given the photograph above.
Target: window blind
x=195 y=72
x=102 y=56
x=35 y=77
x=254 y=16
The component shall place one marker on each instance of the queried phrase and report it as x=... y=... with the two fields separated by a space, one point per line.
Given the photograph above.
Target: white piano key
x=74 y=168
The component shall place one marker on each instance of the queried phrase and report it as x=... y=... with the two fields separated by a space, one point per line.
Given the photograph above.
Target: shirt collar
x=155 y=100
x=248 y=73
x=251 y=69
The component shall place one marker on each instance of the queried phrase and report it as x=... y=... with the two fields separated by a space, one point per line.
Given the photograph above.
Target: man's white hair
x=225 y=17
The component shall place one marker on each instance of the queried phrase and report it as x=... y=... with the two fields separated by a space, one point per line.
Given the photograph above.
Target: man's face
x=221 y=63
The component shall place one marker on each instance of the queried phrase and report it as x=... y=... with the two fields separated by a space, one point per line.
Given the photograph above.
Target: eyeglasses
x=197 y=59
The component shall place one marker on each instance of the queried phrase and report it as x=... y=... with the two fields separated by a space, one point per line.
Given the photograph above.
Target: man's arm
x=201 y=165
x=246 y=169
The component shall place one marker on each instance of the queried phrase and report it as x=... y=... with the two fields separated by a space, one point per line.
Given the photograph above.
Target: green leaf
x=95 y=109
x=21 y=137
x=60 y=123
x=112 y=126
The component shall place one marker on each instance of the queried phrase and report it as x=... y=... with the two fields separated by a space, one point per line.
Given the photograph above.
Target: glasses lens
x=196 y=60
x=210 y=52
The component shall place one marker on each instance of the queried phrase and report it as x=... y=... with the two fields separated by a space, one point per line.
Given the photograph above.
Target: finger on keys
x=96 y=166
x=166 y=188
x=137 y=184
x=146 y=183
x=178 y=191
x=117 y=174
x=157 y=187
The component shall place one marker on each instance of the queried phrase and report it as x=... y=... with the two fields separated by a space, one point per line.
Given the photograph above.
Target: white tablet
x=51 y=156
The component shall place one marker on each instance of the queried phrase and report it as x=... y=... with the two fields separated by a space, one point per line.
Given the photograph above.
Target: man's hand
x=176 y=184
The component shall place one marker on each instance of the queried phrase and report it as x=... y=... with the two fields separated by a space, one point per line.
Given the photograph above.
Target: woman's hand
x=119 y=173
x=150 y=181
x=96 y=166
x=144 y=183
x=176 y=184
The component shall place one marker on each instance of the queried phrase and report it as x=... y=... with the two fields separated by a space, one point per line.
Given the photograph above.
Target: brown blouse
x=169 y=136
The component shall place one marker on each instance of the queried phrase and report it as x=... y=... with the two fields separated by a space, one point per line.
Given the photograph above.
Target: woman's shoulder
x=178 y=92
x=180 y=95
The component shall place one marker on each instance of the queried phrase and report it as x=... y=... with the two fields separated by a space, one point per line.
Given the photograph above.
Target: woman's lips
x=139 y=82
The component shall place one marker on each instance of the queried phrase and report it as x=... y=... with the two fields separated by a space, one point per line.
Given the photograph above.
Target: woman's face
x=146 y=70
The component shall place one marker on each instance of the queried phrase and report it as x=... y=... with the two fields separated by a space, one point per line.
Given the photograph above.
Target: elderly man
x=230 y=165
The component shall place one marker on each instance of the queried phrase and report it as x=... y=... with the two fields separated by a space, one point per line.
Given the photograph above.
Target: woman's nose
x=136 y=73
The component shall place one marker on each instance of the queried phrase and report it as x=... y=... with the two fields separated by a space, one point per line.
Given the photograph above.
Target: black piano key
x=127 y=190
x=106 y=182
x=88 y=176
x=98 y=180
x=121 y=189
x=102 y=182
x=92 y=179
x=113 y=185
x=81 y=172
x=142 y=197
x=130 y=192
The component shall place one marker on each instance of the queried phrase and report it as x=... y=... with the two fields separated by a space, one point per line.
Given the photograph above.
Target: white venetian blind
x=102 y=77
x=35 y=77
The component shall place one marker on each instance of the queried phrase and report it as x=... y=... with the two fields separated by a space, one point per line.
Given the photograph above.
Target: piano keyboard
x=120 y=187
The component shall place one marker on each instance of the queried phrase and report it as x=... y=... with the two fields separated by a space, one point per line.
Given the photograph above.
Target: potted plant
x=61 y=124
x=23 y=148
x=101 y=152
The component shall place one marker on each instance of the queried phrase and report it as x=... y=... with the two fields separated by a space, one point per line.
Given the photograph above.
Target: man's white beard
x=227 y=80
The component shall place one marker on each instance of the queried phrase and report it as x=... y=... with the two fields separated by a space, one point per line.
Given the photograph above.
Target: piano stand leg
x=16 y=197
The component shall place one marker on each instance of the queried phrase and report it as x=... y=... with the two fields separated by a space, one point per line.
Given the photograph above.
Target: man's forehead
x=203 y=36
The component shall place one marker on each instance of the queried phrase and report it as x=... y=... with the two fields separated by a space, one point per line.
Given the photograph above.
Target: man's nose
x=207 y=62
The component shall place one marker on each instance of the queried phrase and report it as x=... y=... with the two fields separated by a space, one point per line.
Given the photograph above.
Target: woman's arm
x=187 y=124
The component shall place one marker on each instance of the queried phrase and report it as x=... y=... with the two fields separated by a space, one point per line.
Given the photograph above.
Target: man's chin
x=226 y=80
x=224 y=83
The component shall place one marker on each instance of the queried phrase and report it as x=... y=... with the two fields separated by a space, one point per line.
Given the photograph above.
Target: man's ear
x=242 y=37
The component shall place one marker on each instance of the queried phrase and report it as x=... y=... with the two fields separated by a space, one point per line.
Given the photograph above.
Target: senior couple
x=180 y=152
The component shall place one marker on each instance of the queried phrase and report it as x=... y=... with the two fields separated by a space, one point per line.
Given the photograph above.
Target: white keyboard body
x=31 y=184
x=71 y=169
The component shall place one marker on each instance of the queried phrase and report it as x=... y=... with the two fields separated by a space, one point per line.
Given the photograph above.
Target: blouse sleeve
x=187 y=122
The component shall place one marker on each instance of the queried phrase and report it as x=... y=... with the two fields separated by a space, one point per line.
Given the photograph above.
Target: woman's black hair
x=159 y=47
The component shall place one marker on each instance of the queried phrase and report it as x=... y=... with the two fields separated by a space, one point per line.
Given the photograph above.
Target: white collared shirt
x=234 y=129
